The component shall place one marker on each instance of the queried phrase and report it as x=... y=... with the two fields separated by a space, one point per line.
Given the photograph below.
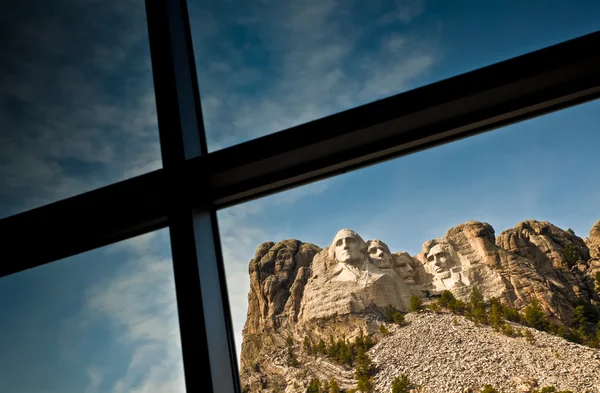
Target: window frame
x=193 y=184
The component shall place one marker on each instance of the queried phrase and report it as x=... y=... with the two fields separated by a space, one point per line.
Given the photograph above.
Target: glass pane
x=512 y=215
x=102 y=321
x=77 y=108
x=264 y=66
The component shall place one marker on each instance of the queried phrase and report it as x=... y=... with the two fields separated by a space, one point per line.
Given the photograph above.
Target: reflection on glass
x=77 y=107
x=264 y=66
x=471 y=264
x=103 y=321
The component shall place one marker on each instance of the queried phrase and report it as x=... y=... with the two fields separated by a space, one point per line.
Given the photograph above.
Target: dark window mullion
x=208 y=349
x=536 y=83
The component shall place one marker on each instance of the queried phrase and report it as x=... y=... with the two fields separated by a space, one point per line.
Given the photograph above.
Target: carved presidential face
x=404 y=267
x=379 y=254
x=439 y=260
x=407 y=273
x=349 y=247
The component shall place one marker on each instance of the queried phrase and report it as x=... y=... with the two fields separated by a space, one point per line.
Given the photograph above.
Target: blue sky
x=77 y=112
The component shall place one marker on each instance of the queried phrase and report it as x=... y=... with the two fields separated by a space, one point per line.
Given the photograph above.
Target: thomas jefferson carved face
x=379 y=253
x=349 y=247
x=440 y=261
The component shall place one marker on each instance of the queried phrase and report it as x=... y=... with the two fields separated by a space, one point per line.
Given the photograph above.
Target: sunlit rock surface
x=299 y=290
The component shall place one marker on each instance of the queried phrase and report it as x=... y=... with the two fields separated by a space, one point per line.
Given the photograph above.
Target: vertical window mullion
x=203 y=306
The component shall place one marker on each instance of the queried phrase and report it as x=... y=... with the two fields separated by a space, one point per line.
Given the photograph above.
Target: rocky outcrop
x=278 y=273
x=448 y=353
x=560 y=258
x=593 y=244
x=534 y=260
x=299 y=290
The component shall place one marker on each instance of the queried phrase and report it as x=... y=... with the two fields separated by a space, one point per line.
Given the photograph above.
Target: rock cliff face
x=278 y=274
x=593 y=244
x=299 y=290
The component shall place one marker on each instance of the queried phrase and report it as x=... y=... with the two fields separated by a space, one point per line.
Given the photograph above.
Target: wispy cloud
x=83 y=101
x=301 y=71
x=405 y=11
x=77 y=106
x=138 y=303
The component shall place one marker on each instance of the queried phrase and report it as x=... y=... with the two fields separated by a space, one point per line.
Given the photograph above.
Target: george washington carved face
x=349 y=247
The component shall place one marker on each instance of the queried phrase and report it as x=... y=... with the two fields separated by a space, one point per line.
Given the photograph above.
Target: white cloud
x=309 y=70
x=154 y=243
x=77 y=107
x=138 y=302
x=405 y=11
x=95 y=378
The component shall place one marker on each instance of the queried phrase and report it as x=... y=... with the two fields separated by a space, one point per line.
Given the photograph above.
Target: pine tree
x=368 y=342
x=447 y=299
x=291 y=358
x=314 y=386
x=332 y=351
x=400 y=384
x=321 y=347
x=535 y=317
x=365 y=384
x=478 y=315
x=415 y=303
x=394 y=315
x=364 y=371
x=489 y=389
x=496 y=301
x=571 y=254
x=495 y=317
x=476 y=298
x=307 y=345
x=458 y=307
x=511 y=314
x=578 y=316
x=334 y=387
x=529 y=336
x=345 y=356
x=383 y=330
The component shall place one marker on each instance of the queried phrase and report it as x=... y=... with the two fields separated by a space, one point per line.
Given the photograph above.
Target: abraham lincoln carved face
x=440 y=261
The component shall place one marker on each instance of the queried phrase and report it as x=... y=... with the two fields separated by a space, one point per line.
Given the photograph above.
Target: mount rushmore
x=299 y=290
